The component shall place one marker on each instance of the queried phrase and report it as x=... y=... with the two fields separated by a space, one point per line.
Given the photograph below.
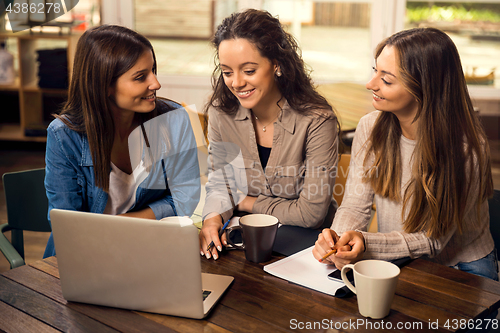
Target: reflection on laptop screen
x=206 y=293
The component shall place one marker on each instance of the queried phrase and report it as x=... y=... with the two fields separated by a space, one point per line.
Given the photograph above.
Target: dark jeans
x=486 y=267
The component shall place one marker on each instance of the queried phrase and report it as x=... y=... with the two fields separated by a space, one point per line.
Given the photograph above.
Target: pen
x=329 y=254
x=220 y=234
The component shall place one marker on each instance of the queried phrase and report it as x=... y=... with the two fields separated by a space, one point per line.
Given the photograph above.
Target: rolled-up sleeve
x=220 y=173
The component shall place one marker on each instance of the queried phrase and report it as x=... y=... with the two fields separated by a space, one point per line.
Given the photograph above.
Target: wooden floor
x=25 y=156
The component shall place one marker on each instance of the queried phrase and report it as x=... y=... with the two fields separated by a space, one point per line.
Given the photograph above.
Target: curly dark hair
x=266 y=33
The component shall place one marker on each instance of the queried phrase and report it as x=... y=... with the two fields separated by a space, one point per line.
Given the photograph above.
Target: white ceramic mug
x=375 y=282
x=180 y=220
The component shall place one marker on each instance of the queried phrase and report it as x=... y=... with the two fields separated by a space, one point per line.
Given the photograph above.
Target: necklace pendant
x=264 y=129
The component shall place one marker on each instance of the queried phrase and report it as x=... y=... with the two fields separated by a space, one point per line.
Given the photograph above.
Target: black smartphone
x=335 y=275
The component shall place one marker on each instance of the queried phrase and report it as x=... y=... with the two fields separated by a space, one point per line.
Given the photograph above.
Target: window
x=77 y=14
x=334 y=36
x=475 y=29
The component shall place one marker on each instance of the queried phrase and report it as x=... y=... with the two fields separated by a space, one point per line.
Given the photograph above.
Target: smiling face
x=248 y=75
x=389 y=95
x=135 y=90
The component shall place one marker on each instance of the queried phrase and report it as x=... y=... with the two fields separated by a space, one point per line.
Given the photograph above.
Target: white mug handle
x=345 y=279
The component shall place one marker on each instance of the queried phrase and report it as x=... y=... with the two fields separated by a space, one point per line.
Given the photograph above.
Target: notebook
x=132 y=263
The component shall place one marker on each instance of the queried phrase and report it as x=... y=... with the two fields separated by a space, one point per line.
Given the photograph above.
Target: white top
x=122 y=189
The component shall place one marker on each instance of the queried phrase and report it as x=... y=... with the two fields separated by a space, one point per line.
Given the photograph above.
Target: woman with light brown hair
x=424 y=159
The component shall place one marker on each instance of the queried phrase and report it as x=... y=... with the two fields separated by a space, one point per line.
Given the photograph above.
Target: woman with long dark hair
x=265 y=107
x=116 y=148
x=423 y=157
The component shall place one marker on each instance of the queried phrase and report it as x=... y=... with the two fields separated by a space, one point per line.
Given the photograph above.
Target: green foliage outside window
x=417 y=12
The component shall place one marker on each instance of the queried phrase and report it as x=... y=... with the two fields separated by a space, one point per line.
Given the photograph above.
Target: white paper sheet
x=303 y=269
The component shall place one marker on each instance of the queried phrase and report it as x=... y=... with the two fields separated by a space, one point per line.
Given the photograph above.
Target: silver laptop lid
x=130 y=263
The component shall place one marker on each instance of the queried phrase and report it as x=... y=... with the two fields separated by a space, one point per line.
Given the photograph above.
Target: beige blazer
x=297 y=184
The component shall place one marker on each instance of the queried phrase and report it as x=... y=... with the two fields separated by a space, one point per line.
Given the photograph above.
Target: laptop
x=132 y=263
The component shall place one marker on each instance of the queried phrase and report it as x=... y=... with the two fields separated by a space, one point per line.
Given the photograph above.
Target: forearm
x=297 y=212
x=246 y=205
x=161 y=208
x=61 y=178
x=146 y=213
x=352 y=216
x=398 y=244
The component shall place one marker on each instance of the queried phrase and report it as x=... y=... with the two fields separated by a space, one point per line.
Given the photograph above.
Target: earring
x=278 y=73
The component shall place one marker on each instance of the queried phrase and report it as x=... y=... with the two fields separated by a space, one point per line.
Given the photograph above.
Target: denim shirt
x=171 y=186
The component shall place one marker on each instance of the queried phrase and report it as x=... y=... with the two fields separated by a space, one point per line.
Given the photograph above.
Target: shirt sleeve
x=355 y=210
x=61 y=174
x=220 y=173
x=172 y=133
x=184 y=172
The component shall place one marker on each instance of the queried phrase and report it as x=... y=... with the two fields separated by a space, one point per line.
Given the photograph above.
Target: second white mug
x=375 y=282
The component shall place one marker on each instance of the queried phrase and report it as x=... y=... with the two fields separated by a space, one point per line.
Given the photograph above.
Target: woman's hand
x=246 y=205
x=210 y=233
x=325 y=243
x=350 y=247
x=353 y=240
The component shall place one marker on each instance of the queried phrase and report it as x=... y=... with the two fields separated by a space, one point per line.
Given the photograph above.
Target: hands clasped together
x=350 y=247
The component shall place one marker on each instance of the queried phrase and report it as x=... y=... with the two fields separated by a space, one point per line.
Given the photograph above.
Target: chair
x=27 y=207
x=494 y=204
x=342 y=173
x=339 y=189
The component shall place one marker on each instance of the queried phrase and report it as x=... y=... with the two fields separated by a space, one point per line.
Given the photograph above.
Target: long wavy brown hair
x=452 y=152
x=102 y=55
x=266 y=33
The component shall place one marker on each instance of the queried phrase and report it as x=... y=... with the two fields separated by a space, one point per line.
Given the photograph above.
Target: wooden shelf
x=12 y=132
x=11 y=87
x=31 y=97
x=33 y=87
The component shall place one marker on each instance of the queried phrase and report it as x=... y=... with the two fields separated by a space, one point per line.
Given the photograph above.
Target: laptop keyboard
x=206 y=293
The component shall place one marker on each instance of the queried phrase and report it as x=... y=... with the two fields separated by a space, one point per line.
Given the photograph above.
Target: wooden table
x=427 y=293
x=351 y=101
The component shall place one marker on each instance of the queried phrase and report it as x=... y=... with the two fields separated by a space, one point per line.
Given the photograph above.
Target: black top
x=264 y=153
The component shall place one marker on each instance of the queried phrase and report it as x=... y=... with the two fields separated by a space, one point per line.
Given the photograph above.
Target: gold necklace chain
x=264 y=126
